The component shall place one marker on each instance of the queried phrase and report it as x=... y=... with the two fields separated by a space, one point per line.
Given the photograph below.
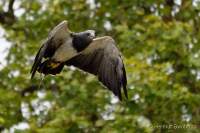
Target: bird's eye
x=88 y=34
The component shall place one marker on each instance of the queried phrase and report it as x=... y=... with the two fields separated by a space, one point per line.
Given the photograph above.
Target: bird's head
x=90 y=34
x=85 y=35
x=82 y=39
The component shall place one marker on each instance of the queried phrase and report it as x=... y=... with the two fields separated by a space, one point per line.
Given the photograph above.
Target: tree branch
x=8 y=17
x=10 y=6
x=169 y=6
x=33 y=88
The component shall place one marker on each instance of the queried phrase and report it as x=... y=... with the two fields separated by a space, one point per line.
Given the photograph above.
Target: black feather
x=81 y=41
x=46 y=67
x=124 y=82
x=109 y=69
x=38 y=59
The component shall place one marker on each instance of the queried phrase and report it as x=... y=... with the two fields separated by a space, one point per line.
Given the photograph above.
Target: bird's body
x=65 y=52
x=98 y=56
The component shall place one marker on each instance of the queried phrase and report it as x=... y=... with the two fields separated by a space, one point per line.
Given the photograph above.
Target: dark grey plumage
x=82 y=40
x=103 y=59
x=97 y=56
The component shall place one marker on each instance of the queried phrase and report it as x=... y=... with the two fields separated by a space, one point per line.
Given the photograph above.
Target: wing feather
x=56 y=37
x=102 y=58
x=38 y=59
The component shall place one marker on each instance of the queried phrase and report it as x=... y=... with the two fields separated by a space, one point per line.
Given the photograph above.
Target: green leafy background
x=160 y=43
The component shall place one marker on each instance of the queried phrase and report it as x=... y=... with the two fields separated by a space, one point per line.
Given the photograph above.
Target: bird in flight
x=98 y=56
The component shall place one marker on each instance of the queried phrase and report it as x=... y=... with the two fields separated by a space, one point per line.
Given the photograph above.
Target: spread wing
x=102 y=58
x=55 y=38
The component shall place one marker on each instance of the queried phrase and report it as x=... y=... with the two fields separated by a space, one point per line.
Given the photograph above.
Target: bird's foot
x=53 y=65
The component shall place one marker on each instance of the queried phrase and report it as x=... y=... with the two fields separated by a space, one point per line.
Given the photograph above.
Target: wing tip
x=34 y=67
x=124 y=82
x=33 y=70
x=64 y=22
x=125 y=93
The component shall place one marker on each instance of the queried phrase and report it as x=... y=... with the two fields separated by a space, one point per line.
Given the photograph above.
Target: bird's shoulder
x=104 y=40
x=100 y=43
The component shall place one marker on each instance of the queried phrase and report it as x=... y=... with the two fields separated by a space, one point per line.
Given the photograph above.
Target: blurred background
x=160 y=42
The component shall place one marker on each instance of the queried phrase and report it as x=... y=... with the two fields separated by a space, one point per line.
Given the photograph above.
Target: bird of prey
x=98 y=56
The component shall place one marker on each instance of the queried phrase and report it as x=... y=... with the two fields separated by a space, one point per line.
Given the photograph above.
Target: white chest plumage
x=65 y=52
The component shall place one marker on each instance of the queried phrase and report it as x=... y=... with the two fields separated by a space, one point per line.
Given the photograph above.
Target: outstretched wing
x=55 y=38
x=102 y=58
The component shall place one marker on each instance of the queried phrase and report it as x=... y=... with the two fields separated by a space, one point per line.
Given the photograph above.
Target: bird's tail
x=50 y=67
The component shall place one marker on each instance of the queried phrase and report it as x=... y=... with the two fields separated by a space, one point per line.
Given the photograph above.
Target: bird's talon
x=54 y=65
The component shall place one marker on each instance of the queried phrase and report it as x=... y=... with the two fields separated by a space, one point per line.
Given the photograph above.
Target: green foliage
x=160 y=42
